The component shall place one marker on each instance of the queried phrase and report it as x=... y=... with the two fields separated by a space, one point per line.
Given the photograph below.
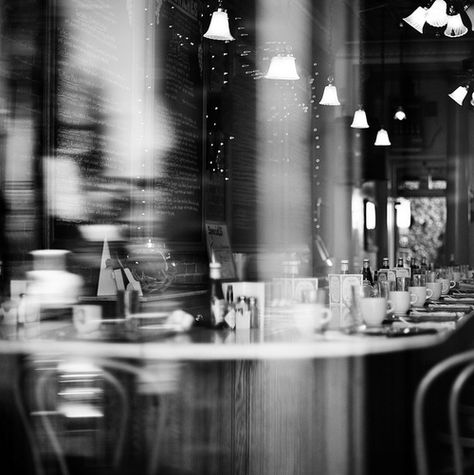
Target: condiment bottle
x=344 y=266
x=216 y=297
x=366 y=272
x=254 y=323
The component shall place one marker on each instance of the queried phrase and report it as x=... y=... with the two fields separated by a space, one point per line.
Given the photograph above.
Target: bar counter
x=219 y=402
x=206 y=344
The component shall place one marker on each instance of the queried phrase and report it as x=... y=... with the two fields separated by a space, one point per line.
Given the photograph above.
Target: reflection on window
x=429 y=184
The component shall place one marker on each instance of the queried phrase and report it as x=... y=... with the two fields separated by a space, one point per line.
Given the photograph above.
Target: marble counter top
x=275 y=342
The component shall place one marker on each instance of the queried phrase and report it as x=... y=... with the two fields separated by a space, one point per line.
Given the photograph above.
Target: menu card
x=218 y=248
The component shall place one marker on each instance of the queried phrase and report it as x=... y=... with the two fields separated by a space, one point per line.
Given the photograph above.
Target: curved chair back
x=452 y=374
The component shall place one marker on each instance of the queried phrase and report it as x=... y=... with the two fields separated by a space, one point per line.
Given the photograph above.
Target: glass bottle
x=253 y=312
x=230 y=294
x=400 y=262
x=385 y=263
x=414 y=272
x=344 y=266
x=366 y=272
x=423 y=271
x=216 y=297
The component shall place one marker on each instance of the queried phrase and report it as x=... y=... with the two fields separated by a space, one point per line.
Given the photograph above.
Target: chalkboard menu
x=100 y=86
x=179 y=84
x=90 y=99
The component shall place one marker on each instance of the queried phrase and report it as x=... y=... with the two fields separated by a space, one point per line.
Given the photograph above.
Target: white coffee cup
x=311 y=317
x=86 y=318
x=374 y=310
x=435 y=288
x=401 y=301
x=457 y=276
x=446 y=285
x=421 y=293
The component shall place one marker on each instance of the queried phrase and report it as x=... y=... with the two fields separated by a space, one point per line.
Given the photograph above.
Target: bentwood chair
x=50 y=436
x=444 y=417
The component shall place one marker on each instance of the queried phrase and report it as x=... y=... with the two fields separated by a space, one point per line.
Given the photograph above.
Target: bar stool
x=447 y=382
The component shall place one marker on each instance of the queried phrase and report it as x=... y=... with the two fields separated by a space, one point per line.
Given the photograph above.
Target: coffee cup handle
x=389 y=306
x=429 y=293
x=413 y=299
x=452 y=284
x=327 y=315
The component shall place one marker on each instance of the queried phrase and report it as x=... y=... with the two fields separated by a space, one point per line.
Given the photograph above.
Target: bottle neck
x=215 y=272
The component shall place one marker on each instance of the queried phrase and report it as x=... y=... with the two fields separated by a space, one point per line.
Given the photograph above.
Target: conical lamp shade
x=282 y=67
x=330 y=96
x=382 y=138
x=360 y=120
x=455 y=27
x=437 y=15
x=417 y=19
x=470 y=14
x=459 y=94
x=219 y=27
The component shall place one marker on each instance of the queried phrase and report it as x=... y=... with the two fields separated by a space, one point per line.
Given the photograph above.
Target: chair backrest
x=45 y=398
x=445 y=381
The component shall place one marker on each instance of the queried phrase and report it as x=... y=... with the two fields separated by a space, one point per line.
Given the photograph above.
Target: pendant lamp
x=400 y=114
x=437 y=14
x=382 y=135
x=459 y=94
x=329 y=97
x=417 y=19
x=455 y=27
x=219 y=27
x=382 y=138
x=282 y=67
x=470 y=14
x=360 y=120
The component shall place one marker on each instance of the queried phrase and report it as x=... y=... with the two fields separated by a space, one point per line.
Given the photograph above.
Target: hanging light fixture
x=437 y=15
x=417 y=19
x=470 y=14
x=400 y=114
x=329 y=97
x=455 y=27
x=459 y=94
x=219 y=26
x=282 y=67
x=382 y=138
x=382 y=135
x=283 y=64
x=360 y=119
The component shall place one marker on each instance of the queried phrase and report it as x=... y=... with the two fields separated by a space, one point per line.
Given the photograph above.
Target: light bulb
x=400 y=114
